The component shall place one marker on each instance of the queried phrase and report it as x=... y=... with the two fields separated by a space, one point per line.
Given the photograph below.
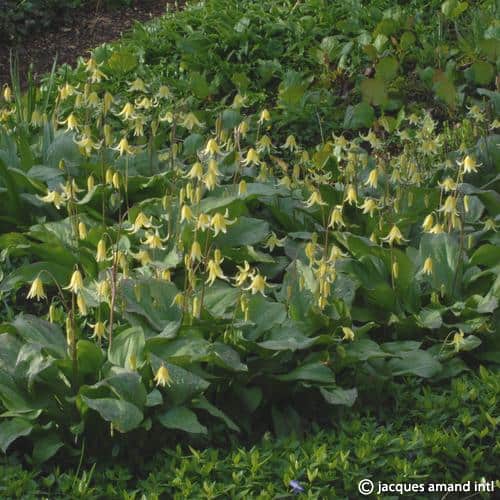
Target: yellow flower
x=458 y=340
x=190 y=121
x=220 y=222
x=71 y=122
x=428 y=223
x=124 y=147
x=290 y=143
x=210 y=181
x=264 y=144
x=127 y=111
x=428 y=266
x=273 y=241
x=81 y=304
x=448 y=185
x=242 y=187
x=154 y=241
x=369 y=206
x=351 y=195
x=7 y=93
x=162 y=377
x=36 y=118
x=203 y=222
x=107 y=101
x=394 y=236
x=348 y=333
x=314 y=199
x=450 y=206
x=116 y=180
x=265 y=116
x=82 y=230
x=212 y=147
x=436 y=229
x=195 y=251
x=214 y=272
x=243 y=128
x=76 y=282
x=252 y=158
x=164 y=92
x=490 y=225
x=137 y=86
x=243 y=274
x=141 y=221
x=470 y=165
x=186 y=213
x=336 y=218
x=196 y=171
x=99 y=330
x=101 y=251
x=36 y=290
x=143 y=257
x=258 y=284
x=102 y=288
x=372 y=180
x=166 y=275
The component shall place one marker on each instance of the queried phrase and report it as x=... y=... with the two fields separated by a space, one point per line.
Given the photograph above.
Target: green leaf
x=183 y=419
x=485 y=255
x=312 y=372
x=226 y=357
x=123 y=415
x=387 y=68
x=359 y=116
x=12 y=430
x=127 y=345
x=364 y=349
x=46 y=447
x=345 y=397
x=204 y=404
x=483 y=72
x=90 y=357
x=374 y=91
x=246 y=231
x=420 y=363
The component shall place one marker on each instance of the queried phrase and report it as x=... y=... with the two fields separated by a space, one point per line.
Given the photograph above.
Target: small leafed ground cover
x=244 y=220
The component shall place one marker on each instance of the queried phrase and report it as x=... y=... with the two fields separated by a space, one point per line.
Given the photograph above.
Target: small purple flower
x=296 y=488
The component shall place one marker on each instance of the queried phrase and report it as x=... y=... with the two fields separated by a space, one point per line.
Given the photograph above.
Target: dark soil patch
x=88 y=28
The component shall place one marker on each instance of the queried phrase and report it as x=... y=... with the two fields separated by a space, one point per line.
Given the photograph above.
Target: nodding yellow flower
x=335 y=254
x=218 y=256
x=36 y=290
x=154 y=241
x=310 y=251
x=71 y=122
x=164 y=92
x=53 y=197
x=243 y=128
x=124 y=148
x=394 y=236
x=264 y=144
x=373 y=238
x=458 y=340
x=336 y=218
x=290 y=143
x=252 y=158
x=428 y=223
x=139 y=126
x=210 y=181
x=470 y=165
x=87 y=144
x=369 y=206
x=93 y=100
x=143 y=257
x=490 y=225
x=238 y=101
x=265 y=116
x=243 y=274
x=450 y=206
x=70 y=331
x=195 y=253
x=214 y=272
x=82 y=230
x=273 y=241
x=101 y=251
x=395 y=270
x=108 y=134
x=213 y=168
x=141 y=221
x=36 y=118
x=212 y=148
x=162 y=377
x=137 y=86
x=196 y=171
x=428 y=266
x=166 y=275
x=102 y=288
x=186 y=213
x=90 y=183
x=372 y=180
x=116 y=180
x=99 y=330
x=107 y=102
x=81 y=304
x=348 y=333
x=285 y=181
x=436 y=229
x=258 y=284
x=190 y=121
x=314 y=199
x=7 y=93
x=76 y=282
x=203 y=222
x=220 y=222
x=351 y=195
x=448 y=185
x=242 y=187
x=127 y=111
x=67 y=90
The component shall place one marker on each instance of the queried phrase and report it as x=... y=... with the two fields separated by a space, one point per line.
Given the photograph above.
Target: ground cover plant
x=246 y=218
